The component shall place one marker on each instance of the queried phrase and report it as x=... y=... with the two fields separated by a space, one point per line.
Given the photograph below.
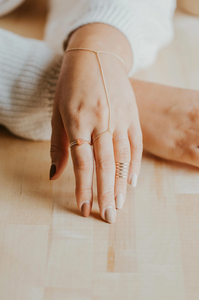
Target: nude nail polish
x=134 y=180
x=110 y=214
x=86 y=209
x=119 y=201
x=52 y=171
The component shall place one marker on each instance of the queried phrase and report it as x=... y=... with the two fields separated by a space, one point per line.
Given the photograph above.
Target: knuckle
x=136 y=161
x=105 y=162
x=84 y=194
x=85 y=191
x=124 y=153
x=137 y=144
x=120 y=184
x=101 y=111
x=74 y=114
x=193 y=113
x=180 y=147
x=137 y=147
x=54 y=149
x=73 y=119
x=83 y=163
x=107 y=197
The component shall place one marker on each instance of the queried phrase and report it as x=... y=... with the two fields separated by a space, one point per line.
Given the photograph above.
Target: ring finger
x=122 y=159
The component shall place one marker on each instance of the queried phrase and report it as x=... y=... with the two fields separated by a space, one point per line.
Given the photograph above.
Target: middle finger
x=122 y=157
x=105 y=169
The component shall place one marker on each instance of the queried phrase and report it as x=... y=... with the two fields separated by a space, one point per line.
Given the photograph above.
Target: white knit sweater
x=29 y=68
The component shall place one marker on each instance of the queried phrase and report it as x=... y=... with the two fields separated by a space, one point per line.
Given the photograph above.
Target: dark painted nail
x=52 y=171
x=86 y=209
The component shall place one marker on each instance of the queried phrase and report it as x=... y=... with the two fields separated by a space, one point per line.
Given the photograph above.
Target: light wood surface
x=49 y=252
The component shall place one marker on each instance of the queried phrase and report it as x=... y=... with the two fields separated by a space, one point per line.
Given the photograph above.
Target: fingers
x=82 y=157
x=59 y=147
x=136 y=145
x=105 y=169
x=122 y=155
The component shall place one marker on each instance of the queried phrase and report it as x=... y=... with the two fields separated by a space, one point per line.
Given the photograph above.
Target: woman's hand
x=81 y=111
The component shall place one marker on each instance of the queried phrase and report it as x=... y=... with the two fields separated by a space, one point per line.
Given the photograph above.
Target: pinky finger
x=136 y=145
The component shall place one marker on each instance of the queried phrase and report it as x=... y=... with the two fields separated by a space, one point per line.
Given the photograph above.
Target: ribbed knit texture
x=8 y=5
x=147 y=24
x=29 y=71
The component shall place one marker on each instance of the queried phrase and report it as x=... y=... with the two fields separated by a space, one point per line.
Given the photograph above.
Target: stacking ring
x=79 y=142
x=122 y=170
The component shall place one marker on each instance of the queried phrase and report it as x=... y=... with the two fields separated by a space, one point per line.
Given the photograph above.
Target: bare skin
x=81 y=111
x=168 y=117
x=169 y=120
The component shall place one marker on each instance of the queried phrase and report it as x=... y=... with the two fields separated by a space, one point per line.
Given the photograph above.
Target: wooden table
x=49 y=252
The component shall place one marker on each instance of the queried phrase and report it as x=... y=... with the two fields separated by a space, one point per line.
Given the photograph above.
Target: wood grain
x=49 y=252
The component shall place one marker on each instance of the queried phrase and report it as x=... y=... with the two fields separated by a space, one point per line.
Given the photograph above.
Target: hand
x=81 y=111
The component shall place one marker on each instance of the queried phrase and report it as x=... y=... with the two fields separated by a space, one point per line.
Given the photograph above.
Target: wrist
x=103 y=37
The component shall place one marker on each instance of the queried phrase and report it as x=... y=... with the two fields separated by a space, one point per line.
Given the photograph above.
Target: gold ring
x=79 y=142
x=122 y=170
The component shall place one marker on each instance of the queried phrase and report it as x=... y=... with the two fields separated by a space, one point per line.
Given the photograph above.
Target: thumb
x=59 y=149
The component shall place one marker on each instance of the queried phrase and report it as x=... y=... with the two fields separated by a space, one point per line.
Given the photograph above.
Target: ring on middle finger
x=122 y=169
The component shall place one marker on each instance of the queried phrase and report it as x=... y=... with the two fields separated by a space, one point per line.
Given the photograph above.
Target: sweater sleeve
x=29 y=71
x=147 y=24
x=7 y=6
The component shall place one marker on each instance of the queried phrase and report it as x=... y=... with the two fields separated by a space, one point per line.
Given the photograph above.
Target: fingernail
x=86 y=209
x=52 y=171
x=110 y=215
x=134 y=180
x=119 y=201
